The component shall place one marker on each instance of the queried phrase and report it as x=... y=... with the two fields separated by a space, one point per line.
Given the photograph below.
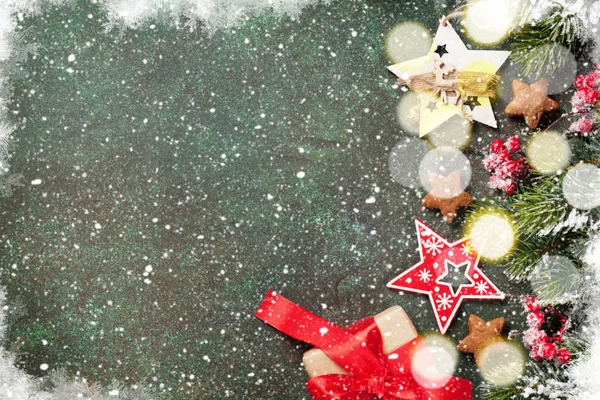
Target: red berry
x=579 y=81
x=548 y=351
x=503 y=156
x=590 y=81
x=489 y=163
x=523 y=167
x=496 y=146
x=510 y=187
x=535 y=356
x=496 y=182
x=513 y=144
x=590 y=96
x=564 y=356
x=511 y=166
x=536 y=319
x=532 y=304
x=596 y=78
x=584 y=126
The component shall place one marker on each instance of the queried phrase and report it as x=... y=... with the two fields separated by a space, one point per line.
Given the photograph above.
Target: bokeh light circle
x=404 y=161
x=492 y=233
x=456 y=132
x=433 y=364
x=548 y=152
x=438 y=166
x=581 y=186
x=560 y=68
x=555 y=279
x=490 y=21
x=408 y=112
x=406 y=41
x=501 y=363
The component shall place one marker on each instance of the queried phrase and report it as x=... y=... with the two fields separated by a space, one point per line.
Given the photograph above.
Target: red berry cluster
x=507 y=165
x=586 y=102
x=542 y=339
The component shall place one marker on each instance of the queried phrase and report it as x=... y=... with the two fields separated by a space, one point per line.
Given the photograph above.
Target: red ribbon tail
x=341 y=346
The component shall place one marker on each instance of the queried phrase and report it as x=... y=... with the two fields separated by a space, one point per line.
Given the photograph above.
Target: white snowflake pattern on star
x=444 y=301
x=433 y=245
x=481 y=287
x=425 y=275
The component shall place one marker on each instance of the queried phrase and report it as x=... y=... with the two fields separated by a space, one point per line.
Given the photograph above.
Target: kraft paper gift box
x=396 y=330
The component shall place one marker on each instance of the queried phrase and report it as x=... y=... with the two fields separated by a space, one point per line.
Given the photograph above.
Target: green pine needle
x=539 y=50
x=501 y=393
x=540 y=207
x=577 y=346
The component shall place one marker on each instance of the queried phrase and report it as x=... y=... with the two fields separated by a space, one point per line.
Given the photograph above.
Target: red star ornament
x=440 y=275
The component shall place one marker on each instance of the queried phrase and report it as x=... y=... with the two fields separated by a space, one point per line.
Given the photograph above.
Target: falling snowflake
x=433 y=245
x=444 y=301
x=467 y=249
x=425 y=275
x=481 y=287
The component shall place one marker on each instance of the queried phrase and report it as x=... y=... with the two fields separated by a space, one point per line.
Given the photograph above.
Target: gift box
x=396 y=330
x=371 y=358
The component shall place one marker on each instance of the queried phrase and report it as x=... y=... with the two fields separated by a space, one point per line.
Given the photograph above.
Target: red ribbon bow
x=359 y=350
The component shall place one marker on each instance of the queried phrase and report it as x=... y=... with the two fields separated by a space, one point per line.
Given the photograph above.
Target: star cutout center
x=441 y=50
x=472 y=102
x=456 y=277
x=432 y=106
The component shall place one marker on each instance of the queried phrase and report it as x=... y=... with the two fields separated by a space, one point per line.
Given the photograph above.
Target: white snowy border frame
x=215 y=14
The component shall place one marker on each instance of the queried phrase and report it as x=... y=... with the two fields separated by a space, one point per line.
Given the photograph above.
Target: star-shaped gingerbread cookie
x=447 y=195
x=481 y=333
x=531 y=101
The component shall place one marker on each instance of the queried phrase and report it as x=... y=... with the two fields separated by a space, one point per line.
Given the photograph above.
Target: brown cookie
x=447 y=195
x=448 y=207
x=481 y=334
x=531 y=101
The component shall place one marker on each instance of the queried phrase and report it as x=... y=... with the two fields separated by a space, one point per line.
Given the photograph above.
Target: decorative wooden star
x=447 y=195
x=449 y=46
x=531 y=101
x=480 y=333
x=430 y=275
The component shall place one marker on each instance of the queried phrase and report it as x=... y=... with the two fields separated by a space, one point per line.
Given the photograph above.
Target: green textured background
x=121 y=141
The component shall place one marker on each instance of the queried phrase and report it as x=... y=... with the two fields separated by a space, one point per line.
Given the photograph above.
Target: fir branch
x=591 y=150
x=538 y=50
x=577 y=345
x=540 y=207
x=543 y=380
x=536 y=58
x=528 y=254
x=501 y=393
x=539 y=214
x=554 y=285
x=586 y=149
